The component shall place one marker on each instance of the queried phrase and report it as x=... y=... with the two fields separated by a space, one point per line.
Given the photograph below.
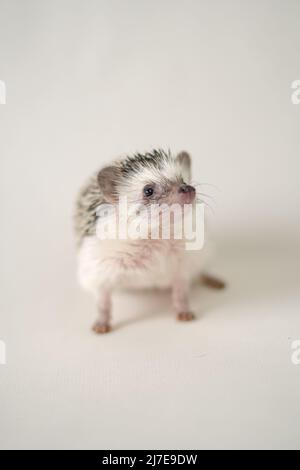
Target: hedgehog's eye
x=148 y=190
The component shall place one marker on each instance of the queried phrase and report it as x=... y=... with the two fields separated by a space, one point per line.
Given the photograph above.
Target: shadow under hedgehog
x=155 y=178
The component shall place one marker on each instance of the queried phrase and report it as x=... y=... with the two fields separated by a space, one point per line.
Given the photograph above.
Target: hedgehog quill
x=155 y=179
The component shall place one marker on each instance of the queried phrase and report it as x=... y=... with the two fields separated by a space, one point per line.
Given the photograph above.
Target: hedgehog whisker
x=206 y=204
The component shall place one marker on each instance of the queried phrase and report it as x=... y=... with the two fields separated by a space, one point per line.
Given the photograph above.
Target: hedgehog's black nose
x=186 y=188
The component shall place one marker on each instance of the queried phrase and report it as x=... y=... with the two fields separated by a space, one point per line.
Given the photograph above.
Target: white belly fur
x=143 y=264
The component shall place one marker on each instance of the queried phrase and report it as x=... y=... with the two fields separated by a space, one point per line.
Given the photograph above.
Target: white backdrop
x=86 y=82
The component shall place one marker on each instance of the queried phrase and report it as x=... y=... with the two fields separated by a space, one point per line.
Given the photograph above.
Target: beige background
x=87 y=81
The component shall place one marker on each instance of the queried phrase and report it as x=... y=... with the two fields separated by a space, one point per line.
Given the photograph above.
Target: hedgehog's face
x=158 y=179
x=154 y=178
x=168 y=192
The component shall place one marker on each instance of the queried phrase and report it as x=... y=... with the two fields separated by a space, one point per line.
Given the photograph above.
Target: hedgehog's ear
x=184 y=159
x=108 y=179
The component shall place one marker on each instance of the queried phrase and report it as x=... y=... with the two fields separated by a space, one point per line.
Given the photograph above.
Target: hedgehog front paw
x=101 y=328
x=185 y=316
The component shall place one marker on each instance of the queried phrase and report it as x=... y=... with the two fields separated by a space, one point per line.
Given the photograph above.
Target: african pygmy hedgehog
x=153 y=178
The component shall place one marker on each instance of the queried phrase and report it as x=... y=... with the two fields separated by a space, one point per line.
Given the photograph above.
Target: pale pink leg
x=102 y=325
x=180 y=294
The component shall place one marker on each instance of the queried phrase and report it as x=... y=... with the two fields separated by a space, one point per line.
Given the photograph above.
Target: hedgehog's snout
x=186 y=188
x=187 y=193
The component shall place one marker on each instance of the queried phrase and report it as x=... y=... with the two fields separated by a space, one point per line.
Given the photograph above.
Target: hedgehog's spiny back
x=138 y=161
x=89 y=198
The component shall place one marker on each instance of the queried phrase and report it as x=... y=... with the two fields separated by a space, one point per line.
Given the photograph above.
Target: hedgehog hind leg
x=213 y=282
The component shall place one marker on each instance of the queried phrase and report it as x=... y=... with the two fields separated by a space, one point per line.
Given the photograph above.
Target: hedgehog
x=146 y=180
